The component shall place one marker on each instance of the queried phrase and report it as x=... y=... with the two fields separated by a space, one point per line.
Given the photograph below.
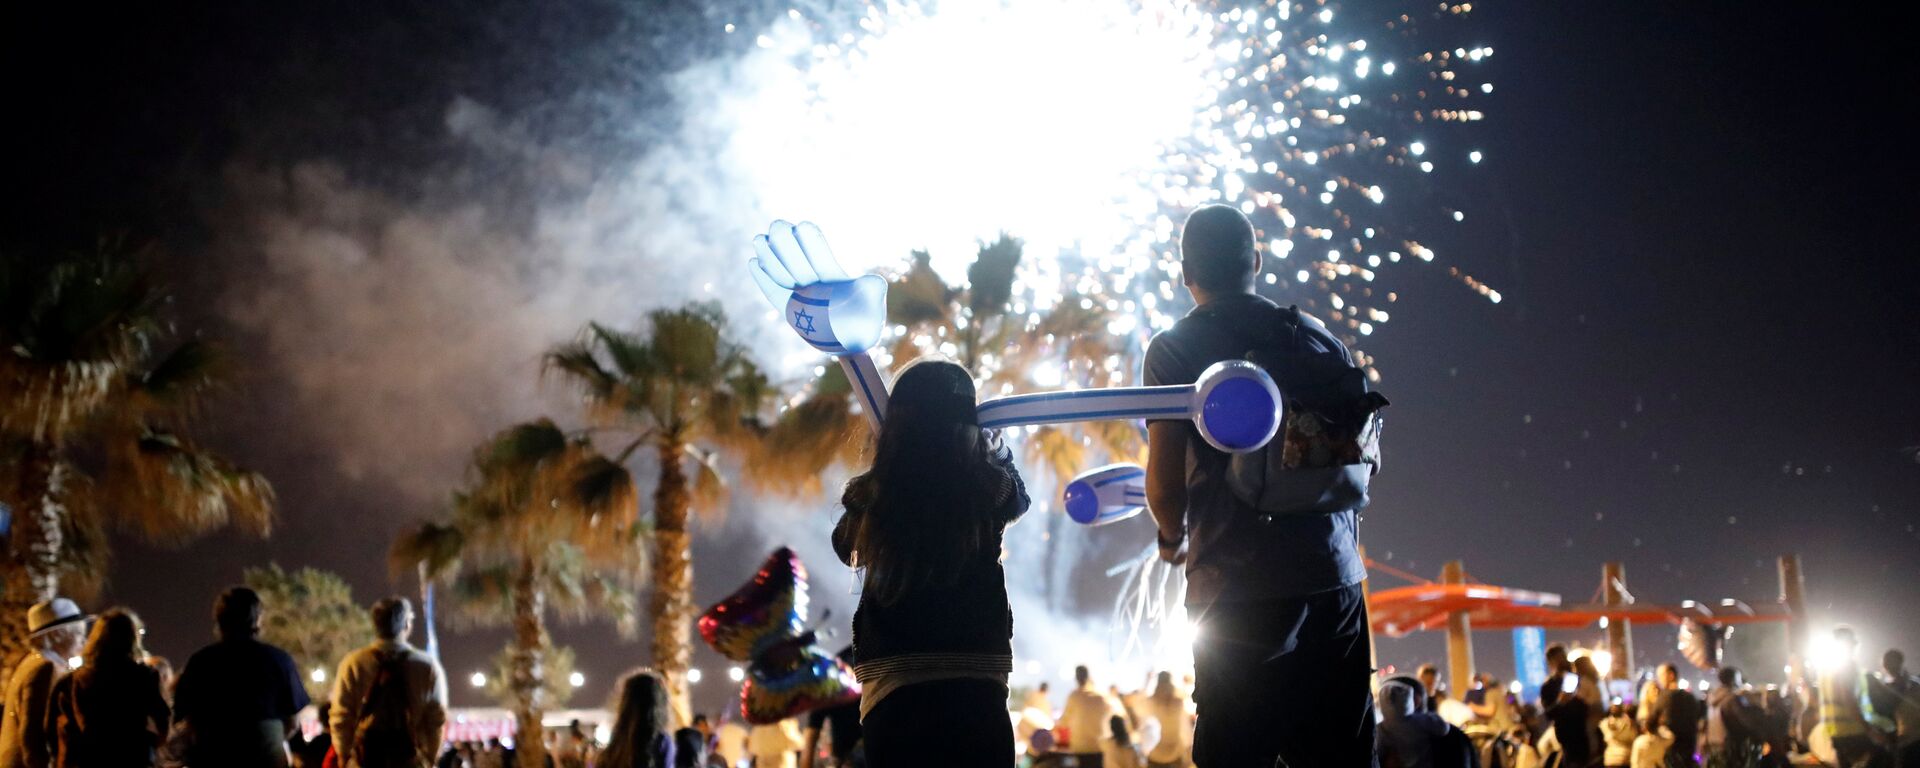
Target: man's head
x=392 y=618
x=1669 y=676
x=1217 y=256
x=1844 y=638
x=1082 y=676
x=1557 y=658
x=1429 y=677
x=1894 y=662
x=1043 y=686
x=1730 y=678
x=236 y=613
x=701 y=724
x=57 y=626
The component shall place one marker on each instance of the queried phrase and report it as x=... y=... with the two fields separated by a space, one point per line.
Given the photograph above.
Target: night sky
x=1698 y=214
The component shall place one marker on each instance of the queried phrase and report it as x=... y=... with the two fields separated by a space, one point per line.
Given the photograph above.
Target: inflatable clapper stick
x=1106 y=494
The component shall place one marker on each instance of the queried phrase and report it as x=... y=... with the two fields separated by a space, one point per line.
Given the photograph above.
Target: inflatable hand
x=762 y=623
x=1235 y=405
x=838 y=315
x=796 y=271
x=1107 y=494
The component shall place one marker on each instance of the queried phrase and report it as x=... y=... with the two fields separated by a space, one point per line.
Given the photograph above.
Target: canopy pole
x=1459 y=634
x=1613 y=580
x=1792 y=589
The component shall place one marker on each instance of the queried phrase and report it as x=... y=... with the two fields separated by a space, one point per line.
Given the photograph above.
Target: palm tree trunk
x=32 y=566
x=529 y=656
x=672 y=601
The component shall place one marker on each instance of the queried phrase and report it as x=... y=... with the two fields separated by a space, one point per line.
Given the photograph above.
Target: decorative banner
x=1235 y=405
x=1530 y=661
x=763 y=624
x=1107 y=494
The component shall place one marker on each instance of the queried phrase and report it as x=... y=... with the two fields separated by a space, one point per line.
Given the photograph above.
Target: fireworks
x=1088 y=127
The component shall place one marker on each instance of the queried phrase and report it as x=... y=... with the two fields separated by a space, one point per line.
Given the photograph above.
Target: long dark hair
x=115 y=637
x=640 y=722
x=925 y=506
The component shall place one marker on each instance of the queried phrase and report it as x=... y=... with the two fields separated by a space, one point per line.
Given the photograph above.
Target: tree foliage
x=312 y=615
x=545 y=524
x=100 y=390
x=685 y=387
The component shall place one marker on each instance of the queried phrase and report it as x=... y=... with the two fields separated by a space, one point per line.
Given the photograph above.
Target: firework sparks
x=1087 y=127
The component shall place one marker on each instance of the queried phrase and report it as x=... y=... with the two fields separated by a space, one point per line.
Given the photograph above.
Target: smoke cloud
x=398 y=318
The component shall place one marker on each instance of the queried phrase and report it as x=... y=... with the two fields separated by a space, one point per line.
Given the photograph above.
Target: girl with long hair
x=111 y=711
x=640 y=738
x=933 y=636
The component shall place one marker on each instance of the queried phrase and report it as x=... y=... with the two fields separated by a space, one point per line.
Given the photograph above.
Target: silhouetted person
x=55 y=630
x=238 y=697
x=933 y=636
x=389 y=698
x=1273 y=566
x=109 y=713
x=1561 y=704
x=640 y=738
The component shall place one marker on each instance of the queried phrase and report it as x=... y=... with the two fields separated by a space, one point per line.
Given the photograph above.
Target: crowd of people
x=1268 y=540
x=1847 y=718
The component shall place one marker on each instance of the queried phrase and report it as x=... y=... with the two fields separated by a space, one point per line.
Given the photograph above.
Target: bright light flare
x=318 y=675
x=1047 y=131
x=477 y=680
x=1826 y=654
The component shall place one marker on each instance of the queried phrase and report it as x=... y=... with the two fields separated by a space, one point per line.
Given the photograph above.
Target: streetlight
x=577 y=679
x=736 y=674
x=693 y=676
x=318 y=675
x=479 y=680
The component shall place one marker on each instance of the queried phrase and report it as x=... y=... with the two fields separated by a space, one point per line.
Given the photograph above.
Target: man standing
x=55 y=630
x=238 y=697
x=1898 y=697
x=389 y=699
x=1681 y=712
x=1846 y=712
x=1280 y=666
x=1564 y=708
x=1084 y=719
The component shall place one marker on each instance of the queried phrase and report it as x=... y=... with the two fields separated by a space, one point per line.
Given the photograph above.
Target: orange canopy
x=1401 y=611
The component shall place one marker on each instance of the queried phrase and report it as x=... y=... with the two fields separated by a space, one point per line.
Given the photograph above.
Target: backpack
x=1329 y=445
x=383 y=738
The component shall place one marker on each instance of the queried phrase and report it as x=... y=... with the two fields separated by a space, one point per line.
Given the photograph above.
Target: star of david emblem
x=802 y=321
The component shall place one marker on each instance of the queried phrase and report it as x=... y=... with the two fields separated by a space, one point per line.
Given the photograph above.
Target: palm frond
x=180 y=492
x=807 y=441
x=709 y=487
x=990 y=277
x=919 y=296
x=576 y=362
x=436 y=544
x=175 y=380
x=604 y=490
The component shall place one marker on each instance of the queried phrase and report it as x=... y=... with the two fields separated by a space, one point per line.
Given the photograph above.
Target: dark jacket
x=111 y=715
x=965 y=624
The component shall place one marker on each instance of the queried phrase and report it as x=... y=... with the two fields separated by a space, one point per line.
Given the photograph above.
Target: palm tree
x=91 y=441
x=684 y=387
x=545 y=524
x=999 y=334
